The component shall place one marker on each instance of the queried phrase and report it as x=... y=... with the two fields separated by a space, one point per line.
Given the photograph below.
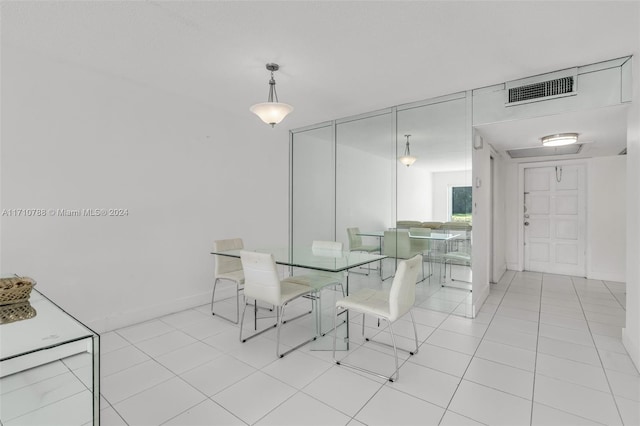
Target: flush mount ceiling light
x=560 y=139
x=272 y=112
x=407 y=159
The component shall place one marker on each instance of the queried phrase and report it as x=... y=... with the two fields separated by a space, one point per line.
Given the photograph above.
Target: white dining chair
x=389 y=306
x=397 y=244
x=263 y=284
x=229 y=269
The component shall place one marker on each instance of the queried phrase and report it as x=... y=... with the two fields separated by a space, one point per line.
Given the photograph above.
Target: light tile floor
x=543 y=350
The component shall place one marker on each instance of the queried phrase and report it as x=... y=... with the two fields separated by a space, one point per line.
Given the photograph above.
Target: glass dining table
x=442 y=237
x=318 y=260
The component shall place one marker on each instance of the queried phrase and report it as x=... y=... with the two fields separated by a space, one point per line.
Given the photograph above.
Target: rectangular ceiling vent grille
x=560 y=86
x=542 y=87
x=545 y=151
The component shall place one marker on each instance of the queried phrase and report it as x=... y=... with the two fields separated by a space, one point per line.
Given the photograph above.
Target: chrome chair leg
x=279 y=326
x=213 y=295
x=391 y=378
x=396 y=374
x=242 y=323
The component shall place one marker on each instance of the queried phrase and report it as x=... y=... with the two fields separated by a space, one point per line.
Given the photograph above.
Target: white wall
x=631 y=333
x=604 y=171
x=481 y=221
x=187 y=172
x=441 y=182
x=415 y=193
x=499 y=265
x=606 y=218
x=513 y=238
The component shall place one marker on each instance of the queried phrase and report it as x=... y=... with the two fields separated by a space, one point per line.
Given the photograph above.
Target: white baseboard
x=514 y=267
x=146 y=313
x=481 y=298
x=618 y=276
x=499 y=273
x=631 y=345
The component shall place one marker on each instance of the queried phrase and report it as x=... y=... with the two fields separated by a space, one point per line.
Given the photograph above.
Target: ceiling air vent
x=542 y=87
x=544 y=151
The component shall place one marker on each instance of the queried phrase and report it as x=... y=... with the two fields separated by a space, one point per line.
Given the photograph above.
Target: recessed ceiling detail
x=545 y=151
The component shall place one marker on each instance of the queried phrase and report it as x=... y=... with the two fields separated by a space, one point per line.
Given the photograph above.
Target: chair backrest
x=432 y=225
x=420 y=231
x=457 y=225
x=403 y=289
x=326 y=248
x=406 y=224
x=261 y=279
x=355 y=240
x=397 y=244
x=226 y=264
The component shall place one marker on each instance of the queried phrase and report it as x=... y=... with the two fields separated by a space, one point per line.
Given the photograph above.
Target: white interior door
x=555 y=219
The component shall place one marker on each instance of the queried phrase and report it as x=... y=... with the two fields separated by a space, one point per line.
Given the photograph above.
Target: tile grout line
x=604 y=370
x=474 y=354
x=535 y=361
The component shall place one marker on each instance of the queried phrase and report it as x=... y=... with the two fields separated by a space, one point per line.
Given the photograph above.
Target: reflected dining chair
x=389 y=306
x=263 y=284
x=459 y=257
x=397 y=244
x=229 y=269
x=355 y=244
x=421 y=245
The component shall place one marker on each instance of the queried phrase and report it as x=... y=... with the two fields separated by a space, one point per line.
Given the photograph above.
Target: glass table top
x=305 y=257
x=442 y=235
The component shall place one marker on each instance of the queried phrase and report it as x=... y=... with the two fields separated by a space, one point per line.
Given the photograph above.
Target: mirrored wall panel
x=434 y=197
x=365 y=176
x=313 y=177
x=351 y=175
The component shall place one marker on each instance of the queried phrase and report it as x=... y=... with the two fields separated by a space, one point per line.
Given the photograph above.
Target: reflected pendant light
x=272 y=112
x=560 y=139
x=407 y=159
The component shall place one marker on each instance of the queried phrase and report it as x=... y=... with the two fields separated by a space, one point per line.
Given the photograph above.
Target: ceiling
x=337 y=58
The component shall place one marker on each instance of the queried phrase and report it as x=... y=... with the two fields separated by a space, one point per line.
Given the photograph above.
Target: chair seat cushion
x=317 y=281
x=366 y=300
x=237 y=276
x=457 y=256
x=290 y=289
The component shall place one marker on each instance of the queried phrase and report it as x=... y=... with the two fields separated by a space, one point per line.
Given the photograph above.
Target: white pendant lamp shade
x=560 y=139
x=407 y=159
x=272 y=112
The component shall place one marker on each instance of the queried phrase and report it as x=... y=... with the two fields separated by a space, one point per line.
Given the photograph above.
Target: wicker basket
x=16 y=312
x=15 y=289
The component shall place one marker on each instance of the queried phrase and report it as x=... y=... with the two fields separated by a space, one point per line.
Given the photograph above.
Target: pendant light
x=407 y=159
x=560 y=139
x=271 y=112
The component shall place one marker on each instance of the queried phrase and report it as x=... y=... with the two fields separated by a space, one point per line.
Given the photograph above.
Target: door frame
x=552 y=163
